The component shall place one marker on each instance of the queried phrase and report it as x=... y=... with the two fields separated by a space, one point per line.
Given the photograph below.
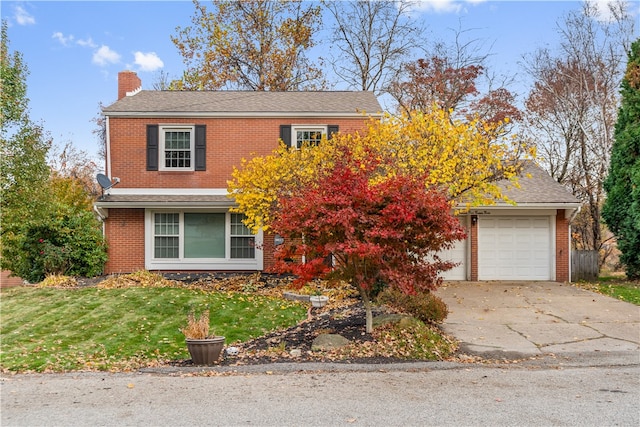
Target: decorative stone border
x=296 y=297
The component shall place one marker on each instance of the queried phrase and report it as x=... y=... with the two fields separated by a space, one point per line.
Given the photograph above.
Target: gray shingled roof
x=537 y=186
x=147 y=200
x=212 y=103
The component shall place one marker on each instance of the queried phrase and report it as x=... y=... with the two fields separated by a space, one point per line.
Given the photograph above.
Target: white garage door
x=514 y=248
x=455 y=254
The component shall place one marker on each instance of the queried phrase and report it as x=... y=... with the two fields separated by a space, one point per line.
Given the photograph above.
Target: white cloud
x=104 y=56
x=23 y=17
x=86 y=42
x=443 y=6
x=148 y=61
x=64 y=40
x=604 y=12
x=439 y=6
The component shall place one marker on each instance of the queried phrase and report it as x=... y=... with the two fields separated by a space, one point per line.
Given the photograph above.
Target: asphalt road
x=438 y=394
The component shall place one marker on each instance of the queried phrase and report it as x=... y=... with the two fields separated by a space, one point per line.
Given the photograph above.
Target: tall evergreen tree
x=621 y=210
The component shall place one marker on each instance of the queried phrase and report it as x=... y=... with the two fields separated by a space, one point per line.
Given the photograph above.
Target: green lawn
x=48 y=329
x=616 y=287
x=619 y=288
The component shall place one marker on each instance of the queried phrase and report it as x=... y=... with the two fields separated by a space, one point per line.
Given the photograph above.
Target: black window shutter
x=285 y=134
x=152 y=147
x=331 y=129
x=201 y=148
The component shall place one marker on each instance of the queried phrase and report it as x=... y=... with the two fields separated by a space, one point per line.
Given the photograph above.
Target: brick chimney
x=128 y=81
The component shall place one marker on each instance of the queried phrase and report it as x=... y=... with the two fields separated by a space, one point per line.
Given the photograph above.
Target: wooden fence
x=584 y=265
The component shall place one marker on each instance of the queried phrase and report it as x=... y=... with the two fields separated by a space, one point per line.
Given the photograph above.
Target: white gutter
x=162 y=205
x=169 y=191
x=243 y=115
x=519 y=206
x=102 y=214
x=107 y=149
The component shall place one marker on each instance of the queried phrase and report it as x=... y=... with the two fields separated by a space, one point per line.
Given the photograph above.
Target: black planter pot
x=205 y=351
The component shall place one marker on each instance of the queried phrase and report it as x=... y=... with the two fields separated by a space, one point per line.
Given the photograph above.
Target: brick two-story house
x=172 y=153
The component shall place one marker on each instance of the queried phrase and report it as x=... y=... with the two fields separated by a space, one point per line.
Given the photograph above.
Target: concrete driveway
x=524 y=319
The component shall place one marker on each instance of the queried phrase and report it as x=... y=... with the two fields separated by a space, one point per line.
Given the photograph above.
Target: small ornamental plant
x=197 y=326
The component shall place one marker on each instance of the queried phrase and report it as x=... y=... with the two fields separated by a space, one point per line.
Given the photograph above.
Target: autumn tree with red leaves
x=375 y=229
x=454 y=77
x=453 y=87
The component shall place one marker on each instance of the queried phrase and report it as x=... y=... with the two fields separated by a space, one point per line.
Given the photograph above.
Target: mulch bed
x=344 y=316
x=276 y=347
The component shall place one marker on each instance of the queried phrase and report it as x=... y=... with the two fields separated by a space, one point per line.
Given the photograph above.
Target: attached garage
x=515 y=248
x=527 y=238
x=456 y=254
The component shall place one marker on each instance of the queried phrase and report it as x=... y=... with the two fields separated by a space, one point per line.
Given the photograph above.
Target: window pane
x=308 y=136
x=243 y=247
x=166 y=225
x=204 y=235
x=237 y=226
x=166 y=247
x=177 y=149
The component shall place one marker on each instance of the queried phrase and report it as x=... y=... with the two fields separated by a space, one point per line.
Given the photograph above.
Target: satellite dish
x=104 y=181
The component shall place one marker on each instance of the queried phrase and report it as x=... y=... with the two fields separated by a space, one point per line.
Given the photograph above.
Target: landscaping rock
x=295 y=297
x=385 y=319
x=329 y=341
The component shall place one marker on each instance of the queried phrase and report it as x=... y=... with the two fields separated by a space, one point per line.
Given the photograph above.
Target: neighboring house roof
x=537 y=187
x=246 y=104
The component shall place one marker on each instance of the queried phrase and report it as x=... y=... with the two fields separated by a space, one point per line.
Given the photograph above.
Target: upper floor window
x=309 y=135
x=176 y=148
x=296 y=136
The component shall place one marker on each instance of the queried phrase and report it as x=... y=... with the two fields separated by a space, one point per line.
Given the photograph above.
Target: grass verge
x=53 y=329
x=615 y=287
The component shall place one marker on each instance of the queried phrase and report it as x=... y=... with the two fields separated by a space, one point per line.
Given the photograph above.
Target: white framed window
x=243 y=242
x=166 y=234
x=200 y=239
x=310 y=134
x=177 y=148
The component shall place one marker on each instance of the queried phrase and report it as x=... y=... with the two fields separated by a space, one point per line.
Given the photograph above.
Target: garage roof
x=537 y=187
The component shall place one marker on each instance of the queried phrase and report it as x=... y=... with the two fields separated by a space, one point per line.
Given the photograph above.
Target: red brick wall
x=473 y=235
x=7 y=281
x=128 y=81
x=228 y=141
x=268 y=249
x=562 y=247
x=125 y=240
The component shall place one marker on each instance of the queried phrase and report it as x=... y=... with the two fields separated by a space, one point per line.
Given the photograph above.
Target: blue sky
x=75 y=49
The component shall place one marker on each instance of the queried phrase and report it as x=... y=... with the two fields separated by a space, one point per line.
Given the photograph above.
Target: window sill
x=177 y=172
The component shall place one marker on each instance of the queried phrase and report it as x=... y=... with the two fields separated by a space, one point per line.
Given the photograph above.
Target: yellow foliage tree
x=465 y=158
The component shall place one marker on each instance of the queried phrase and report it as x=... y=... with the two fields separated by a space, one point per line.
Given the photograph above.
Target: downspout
x=102 y=214
x=107 y=149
